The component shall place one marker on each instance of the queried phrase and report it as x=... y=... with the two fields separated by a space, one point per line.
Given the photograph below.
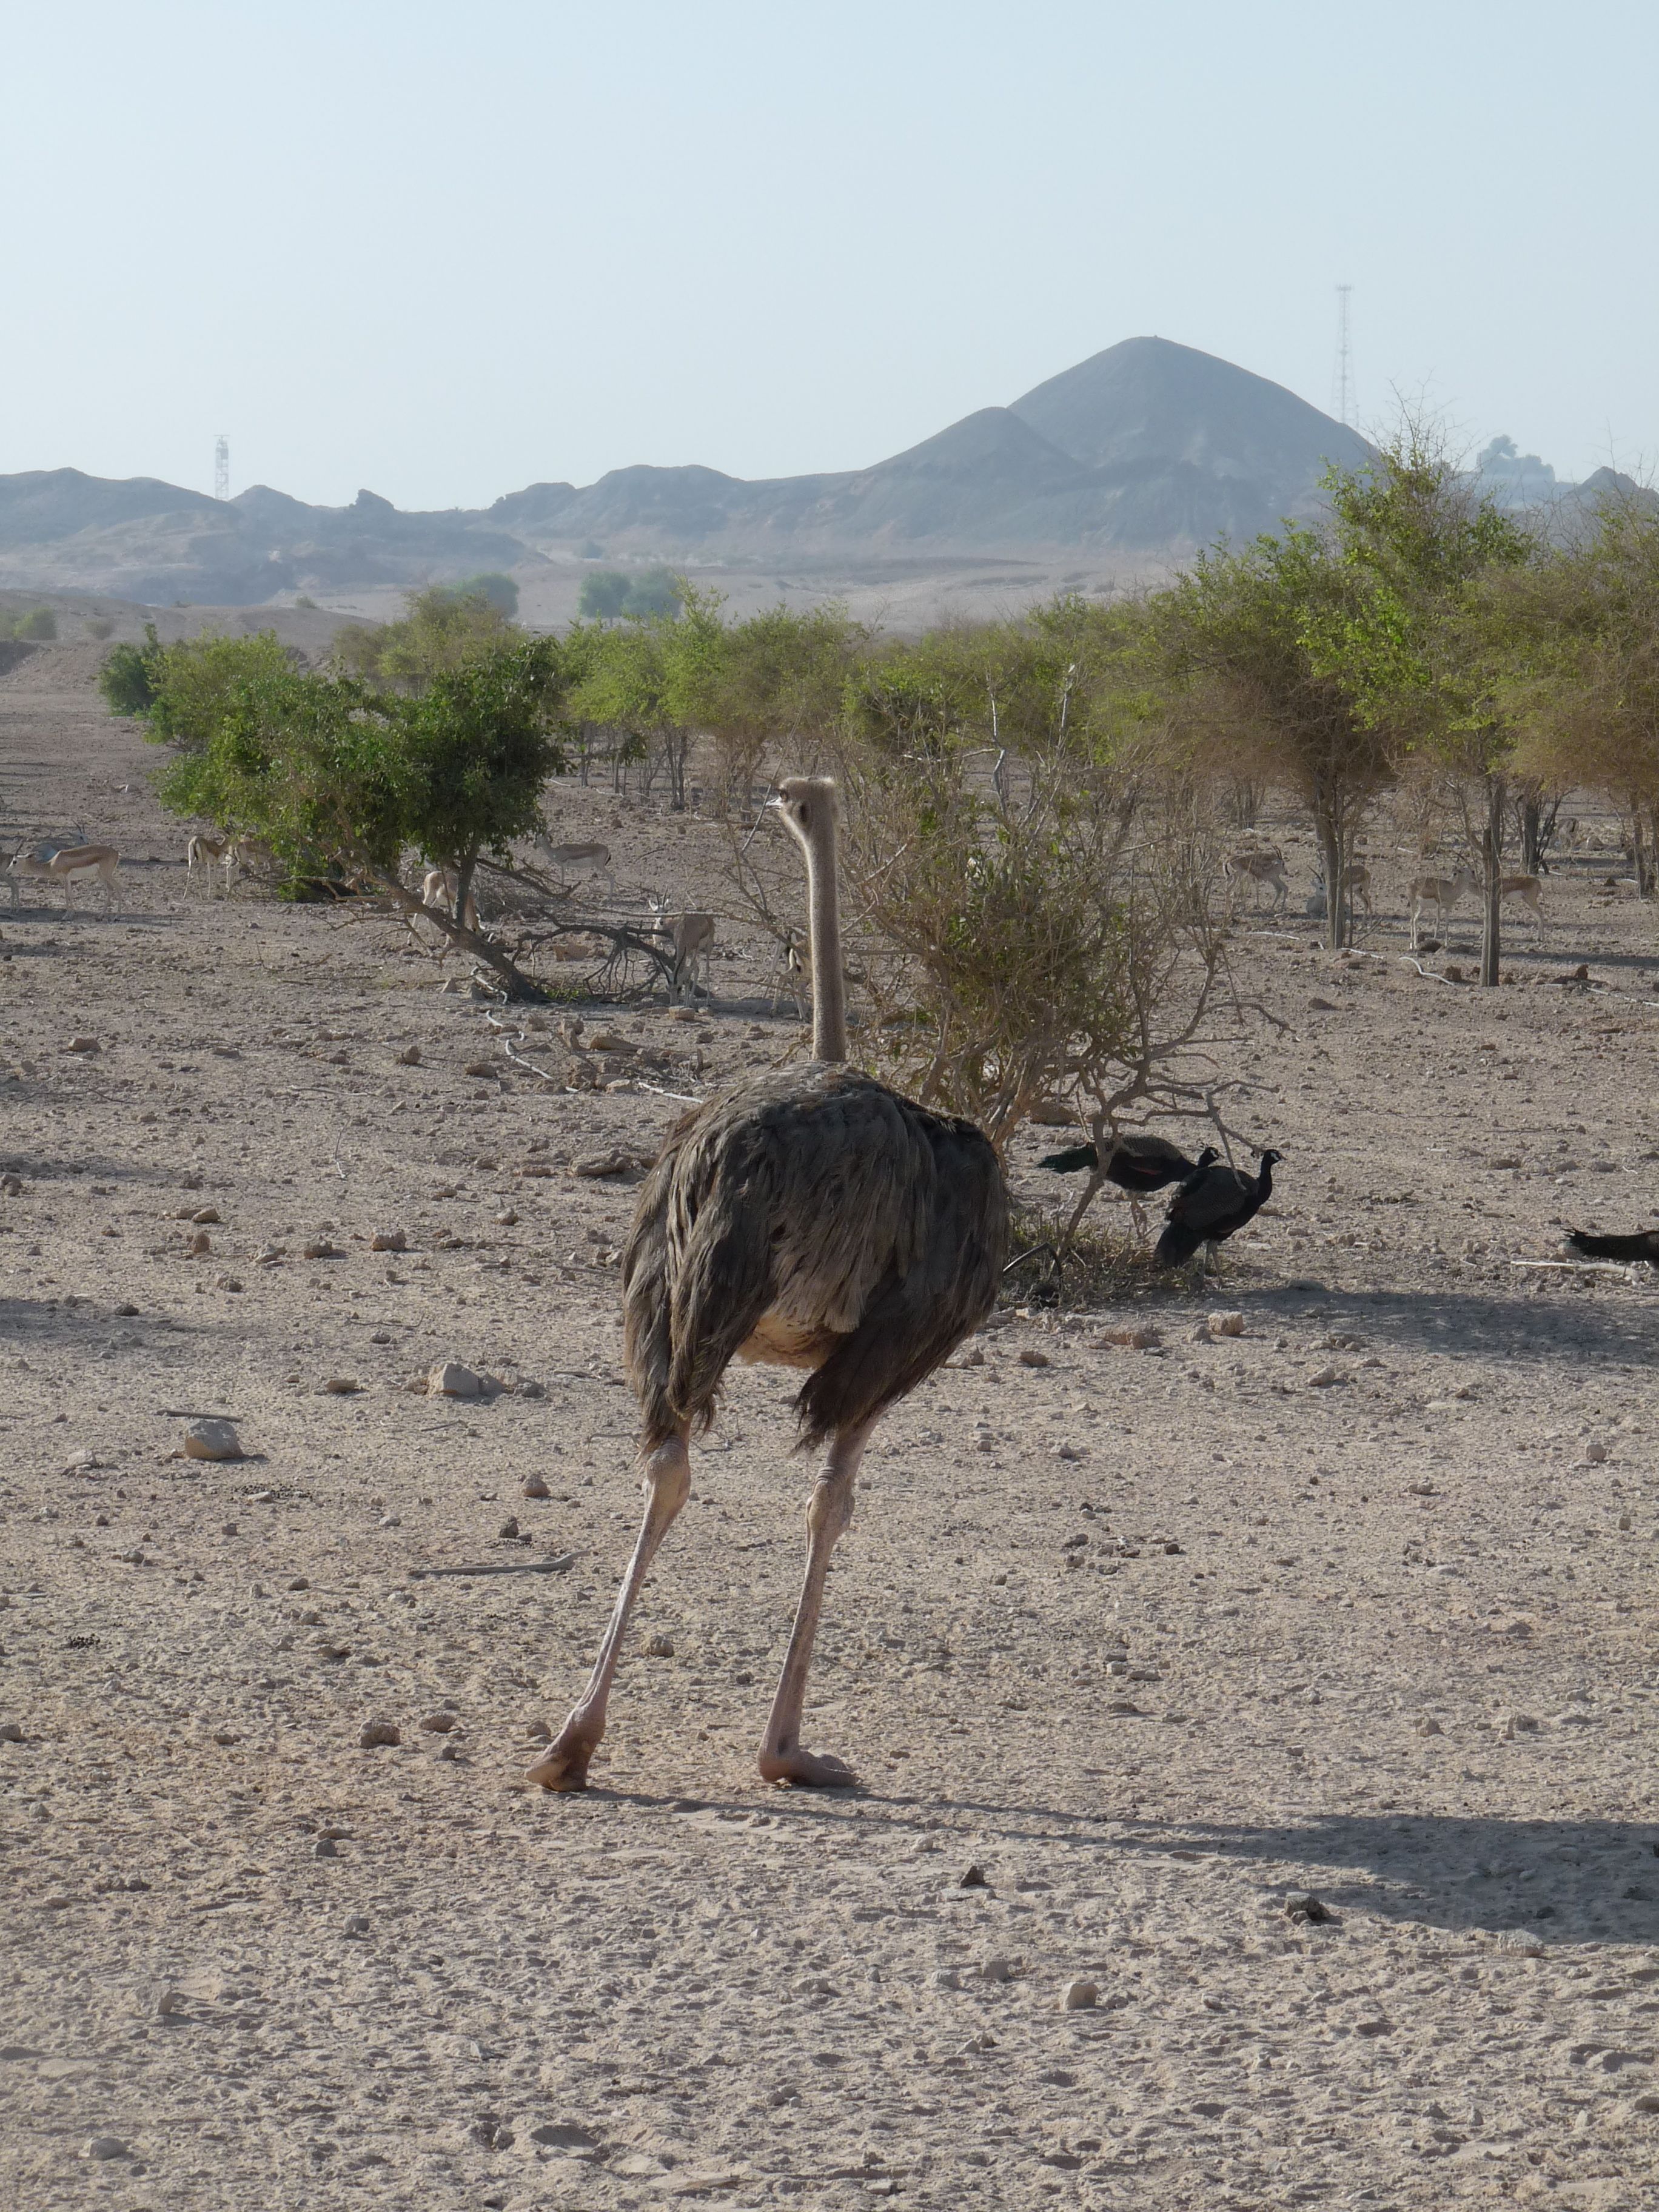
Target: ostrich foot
x=564 y=1765
x=805 y=1769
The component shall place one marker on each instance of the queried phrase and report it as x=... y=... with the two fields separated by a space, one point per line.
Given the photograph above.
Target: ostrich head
x=807 y=804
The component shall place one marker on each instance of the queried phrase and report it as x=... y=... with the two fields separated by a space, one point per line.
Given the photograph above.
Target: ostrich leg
x=828 y=1512
x=564 y=1765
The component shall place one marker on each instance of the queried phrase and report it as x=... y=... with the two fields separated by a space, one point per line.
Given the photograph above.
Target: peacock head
x=807 y=804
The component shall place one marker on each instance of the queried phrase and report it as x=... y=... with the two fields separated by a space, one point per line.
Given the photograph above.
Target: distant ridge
x=1145 y=451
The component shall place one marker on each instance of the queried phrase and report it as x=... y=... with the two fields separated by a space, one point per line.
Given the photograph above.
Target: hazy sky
x=445 y=251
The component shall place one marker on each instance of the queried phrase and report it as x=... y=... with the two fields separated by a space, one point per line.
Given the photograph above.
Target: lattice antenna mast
x=1342 y=390
x=221 y=467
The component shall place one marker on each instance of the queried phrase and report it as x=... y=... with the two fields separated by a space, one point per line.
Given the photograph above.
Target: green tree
x=1419 y=547
x=440 y=629
x=127 y=677
x=334 y=775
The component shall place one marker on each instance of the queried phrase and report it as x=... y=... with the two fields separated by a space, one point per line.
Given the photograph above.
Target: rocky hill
x=1147 y=450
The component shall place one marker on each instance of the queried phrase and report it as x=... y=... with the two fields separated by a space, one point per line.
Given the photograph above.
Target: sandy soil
x=1361 y=1603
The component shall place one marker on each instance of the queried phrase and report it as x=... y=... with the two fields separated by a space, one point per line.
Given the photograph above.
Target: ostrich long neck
x=823 y=924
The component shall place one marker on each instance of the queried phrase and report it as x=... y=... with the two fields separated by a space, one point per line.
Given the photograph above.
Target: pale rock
x=508 y=1530
x=451 y=1380
x=439 y=1723
x=102 y=2147
x=341 y=1386
x=320 y=1249
x=660 y=1647
x=356 y=1923
x=388 y=1240
x=1031 y=1356
x=410 y=1056
x=1429 y=1726
x=205 y=1214
x=169 y=2004
x=1226 y=1324
x=533 y=1486
x=375 y=1733
x=83 y=1044
x=215 y=1440
x=200 y=1245
x=997 y=1969
x=1595 y=1451
x=1079 y=1996
x=1139 y=1337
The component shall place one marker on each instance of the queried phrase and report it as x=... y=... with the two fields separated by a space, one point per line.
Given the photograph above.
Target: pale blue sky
x=445 y=251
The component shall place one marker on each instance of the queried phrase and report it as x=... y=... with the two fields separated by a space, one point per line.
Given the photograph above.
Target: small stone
x=388 y=1240
x=200 y=1245
x=228 y=1528
x=539 y=1732
x=1324 y=1377
x=107 y=2147
x=1079 y=1996
x=410 y=1056
x=505 y=1219
x=535 y=1487
x=508 y=1530
x=299 y=1583
x=341 y=1386
x=481 y=1067
x=326 y=1848
x=439 y=1723
x=226 y=1282
x=169 y=2005
x=1515 y=1724
x=451 y=1380
x=212 y=1440
x=12 y=1185
x=320 y=1249
x=533 y=1390
x=126 y=1312
x=226 y=1736
x=1429 y=1726
x=997 y=1969
x=83 y=1044
x=205 y=1214
x=1594 y=1451
x=449 y=1750
x=1303 y=1906
x=613 y=1163
x=974 y=1879
x=1031 y=1357
x=660 y=1647
x=1226 y=1324
x=10 y=1732
x=356 y=1923
x=375 y=1733
x=1142 y=1337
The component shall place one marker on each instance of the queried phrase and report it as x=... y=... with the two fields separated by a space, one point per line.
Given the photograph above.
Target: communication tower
x=221 y=467
x=1342 y=390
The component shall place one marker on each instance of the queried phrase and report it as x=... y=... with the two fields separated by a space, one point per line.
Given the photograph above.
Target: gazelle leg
x=564 y=1765
x=828 y=1512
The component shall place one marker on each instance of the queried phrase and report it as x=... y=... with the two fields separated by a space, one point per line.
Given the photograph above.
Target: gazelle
x=1531 y=892
x=438 y=887
x=692 y=936
x=596 y=857
x=64 y=865
x=1258 y=868
x=1442 y=893
x=227 y=853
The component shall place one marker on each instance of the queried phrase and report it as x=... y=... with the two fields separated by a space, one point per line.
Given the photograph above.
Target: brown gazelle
x=814 y=1218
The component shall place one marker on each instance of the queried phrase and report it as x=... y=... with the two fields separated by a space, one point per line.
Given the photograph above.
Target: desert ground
x=1131 y=1649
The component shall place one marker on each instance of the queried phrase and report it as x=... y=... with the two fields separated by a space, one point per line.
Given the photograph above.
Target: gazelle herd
x=1264 y=867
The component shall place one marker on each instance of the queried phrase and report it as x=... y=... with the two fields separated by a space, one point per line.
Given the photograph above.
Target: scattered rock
x=1321 y=1006
x=388 y=1240
x=169 y=2005
x=439 y=1723
x=1427 y=1725
x=1079 y=1996
x=997 y=1969
x=452 y=1380
x=212 y=1440
x=299 y=1583
x=320 y=1249
x=1031 y=1357
x=1303 y=1907
x=107 y=2147
x=1140 y=1337
x=341 y=1386
x=1515 y=1724
x=481 y=1068
x=326 y=1848
x=613 y=1163
x=356 y=1923
x=974 y=1879
x=375 y=1733
x=1226 y=1324
x=1325 y=1377
x=660 y=1647
x=205 y=1214
x=200 y=1245
x=83 y=1044
x=410 y=1056
x=1595 y=1451
x=508 y=1531
x=12 y=1185
x=533 y=1486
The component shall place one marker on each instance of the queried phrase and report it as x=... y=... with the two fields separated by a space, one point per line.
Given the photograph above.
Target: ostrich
x=813 y=1218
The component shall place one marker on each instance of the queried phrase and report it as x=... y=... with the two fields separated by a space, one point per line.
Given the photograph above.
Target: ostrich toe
x=564 y=1765
x=806 y=1769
